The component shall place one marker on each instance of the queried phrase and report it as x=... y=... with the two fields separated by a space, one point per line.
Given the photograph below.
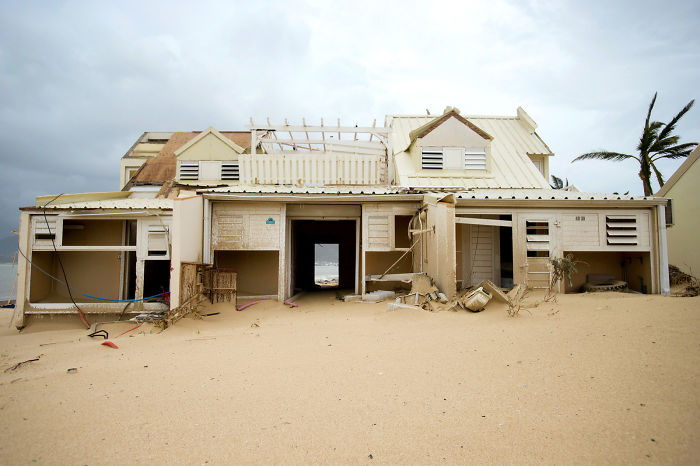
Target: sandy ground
x=600 y=378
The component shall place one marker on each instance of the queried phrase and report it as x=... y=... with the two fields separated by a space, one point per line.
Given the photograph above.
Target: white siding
x=252 y=226
x=312 y=169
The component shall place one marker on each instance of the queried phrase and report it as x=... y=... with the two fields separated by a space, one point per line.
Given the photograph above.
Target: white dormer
x=455 y=151
x=210 y=156
x=452 y=145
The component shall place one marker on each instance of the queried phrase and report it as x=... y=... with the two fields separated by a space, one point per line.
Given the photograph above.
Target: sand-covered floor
x=601 y=378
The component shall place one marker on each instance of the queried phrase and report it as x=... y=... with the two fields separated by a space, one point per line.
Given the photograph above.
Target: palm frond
x=672 y=156
x=651 y=107
x=557 y=183
x=649 y=136
x=604 y=155
x=675 y=152
x=659 y=176
x=671 y=125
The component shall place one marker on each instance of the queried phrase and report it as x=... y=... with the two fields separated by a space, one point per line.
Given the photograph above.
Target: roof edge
x=431 y=125
x=680 y=171
x=79 y=197
x=204 y=134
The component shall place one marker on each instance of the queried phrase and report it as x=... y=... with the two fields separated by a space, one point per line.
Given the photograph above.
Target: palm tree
x=557 y=183
x=657 y=142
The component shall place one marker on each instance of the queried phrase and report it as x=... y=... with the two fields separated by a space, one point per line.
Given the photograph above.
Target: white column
x=664 y=281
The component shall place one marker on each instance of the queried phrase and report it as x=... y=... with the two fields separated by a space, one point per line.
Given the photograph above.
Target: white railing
x=312 y=169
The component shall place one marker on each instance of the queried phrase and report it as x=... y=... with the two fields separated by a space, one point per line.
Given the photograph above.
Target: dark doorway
x=306 y=235
x=156 y=277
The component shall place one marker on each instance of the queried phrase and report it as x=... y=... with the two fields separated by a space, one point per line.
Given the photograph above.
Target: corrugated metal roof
x=483 y=194
x=548 y=194
x=136 y=203
x=274 y=189
x=510 y=165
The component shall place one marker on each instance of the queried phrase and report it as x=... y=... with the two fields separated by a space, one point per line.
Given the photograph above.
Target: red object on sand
x=133 y=328
x=110 y=344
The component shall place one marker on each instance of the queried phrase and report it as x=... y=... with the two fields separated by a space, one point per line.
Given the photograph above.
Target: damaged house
x=459 y=198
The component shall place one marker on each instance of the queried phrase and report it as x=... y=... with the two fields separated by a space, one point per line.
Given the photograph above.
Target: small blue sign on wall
x=270 y=221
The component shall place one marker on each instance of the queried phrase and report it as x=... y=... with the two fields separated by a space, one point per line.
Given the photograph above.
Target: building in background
x=460 y=198
x=683 y=192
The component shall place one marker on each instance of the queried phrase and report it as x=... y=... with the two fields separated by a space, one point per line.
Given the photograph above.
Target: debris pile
x=425 y=295
x=682 y=284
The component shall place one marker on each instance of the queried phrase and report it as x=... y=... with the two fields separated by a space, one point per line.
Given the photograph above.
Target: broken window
x=537 y=238
x=92 y=232
x=156 y=277
x=539 y=164
x=157 y=240
x=44 y=230
x=402 y=239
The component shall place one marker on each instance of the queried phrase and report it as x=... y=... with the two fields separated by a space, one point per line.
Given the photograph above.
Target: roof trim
x=51 y=200
x=204 y=134
x=680 y=171
x=431 y=125
x=312 y=197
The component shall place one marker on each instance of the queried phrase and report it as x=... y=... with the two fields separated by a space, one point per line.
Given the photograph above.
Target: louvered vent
x=157 y=240
x=621 y=229
x=229 y=171
x=44 y=233
x=474 y=160
x=431 y=158
x=537 y=238
x=189 y=170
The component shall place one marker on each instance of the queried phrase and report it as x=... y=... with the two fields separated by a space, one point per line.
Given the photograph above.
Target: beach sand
x=602 y=378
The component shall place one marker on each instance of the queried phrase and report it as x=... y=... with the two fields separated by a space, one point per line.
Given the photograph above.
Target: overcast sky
x=81 y=80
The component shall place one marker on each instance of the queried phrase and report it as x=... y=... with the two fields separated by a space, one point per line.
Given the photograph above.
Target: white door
x=482 y=255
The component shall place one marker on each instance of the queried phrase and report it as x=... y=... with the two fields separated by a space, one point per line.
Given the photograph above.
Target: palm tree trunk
x=645 y=174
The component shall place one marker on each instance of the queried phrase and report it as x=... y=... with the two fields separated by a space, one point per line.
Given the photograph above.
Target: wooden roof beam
x=377 y=131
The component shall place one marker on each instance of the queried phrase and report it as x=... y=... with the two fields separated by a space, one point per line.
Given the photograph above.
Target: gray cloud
x=80 y=81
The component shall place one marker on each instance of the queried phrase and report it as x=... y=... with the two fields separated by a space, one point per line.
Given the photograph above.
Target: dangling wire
x=58 y=280
x=63 y=270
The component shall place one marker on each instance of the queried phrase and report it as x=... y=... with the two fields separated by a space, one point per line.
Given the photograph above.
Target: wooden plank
x=484 y=221
x=377 y=131
x=392 y=277
x=379 y=146
x=223 y=286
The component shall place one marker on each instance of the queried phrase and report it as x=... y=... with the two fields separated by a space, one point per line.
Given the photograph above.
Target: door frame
x=289 y=270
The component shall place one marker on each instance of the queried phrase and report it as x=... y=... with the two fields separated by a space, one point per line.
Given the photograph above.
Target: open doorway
x=326 y=265
x=484 y=250
x=323 y=255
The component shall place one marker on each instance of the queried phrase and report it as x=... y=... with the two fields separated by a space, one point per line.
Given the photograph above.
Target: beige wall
x=41 y=285
x=91 y=272
x=187 y=239
x=441 y=262
x=92 y=232
x=210 y=147
x=453 y=133
x=610 y=263
x=240 y=225
x=377 y=262
x=257 y=271
x=683 y=250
